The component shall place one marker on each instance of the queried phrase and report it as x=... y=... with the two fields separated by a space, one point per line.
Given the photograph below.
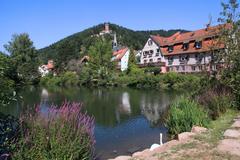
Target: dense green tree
x=24 y=60
x=133 y=68
x=100 y=54
x=231 y=38
x=100 y=68
x=6 y=84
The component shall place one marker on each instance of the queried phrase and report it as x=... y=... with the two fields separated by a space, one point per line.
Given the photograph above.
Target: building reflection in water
x=154 y=110
x=124 y=106
x=44 y=103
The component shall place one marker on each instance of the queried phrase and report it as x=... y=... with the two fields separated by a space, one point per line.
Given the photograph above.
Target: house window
x=158 y=50
x=157 y=54
x=198 y=44
x=159 y=59
x=199 y=57
x=145 y=61
x=170 y=48
x=185 y=46
x=150 y=60
x=193 y=68
x=183 y=58
x=170 y=60
x=183 y=68
x=150 y=42
x=150 y=53
x=177 y=68
x=144 y=55
x=200 y=68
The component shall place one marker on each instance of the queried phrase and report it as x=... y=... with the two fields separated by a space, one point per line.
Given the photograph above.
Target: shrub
x=216 y=99
x=65 y=133
x=9 y=128
x=179 y=81
x=65 y=79
x=183 y=114
x=7 y=90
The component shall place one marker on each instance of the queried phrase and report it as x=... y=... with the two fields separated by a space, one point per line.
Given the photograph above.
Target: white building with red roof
x=184 y=52
x=45 y=69
x=121 y=56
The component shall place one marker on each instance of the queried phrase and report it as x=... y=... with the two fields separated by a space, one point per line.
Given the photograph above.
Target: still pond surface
x=126 y=120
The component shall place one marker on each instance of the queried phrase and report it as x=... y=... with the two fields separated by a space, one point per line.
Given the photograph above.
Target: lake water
x=126 y=119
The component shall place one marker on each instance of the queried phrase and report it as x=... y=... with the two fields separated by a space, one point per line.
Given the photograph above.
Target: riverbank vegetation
x=17 y=68
x=204 y=145
x=69 y=135
x=219 y=93
x=183 y=114
x=65 y=133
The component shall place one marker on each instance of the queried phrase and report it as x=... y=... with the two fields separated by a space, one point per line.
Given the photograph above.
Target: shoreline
x=181 y=138
x=200 y=143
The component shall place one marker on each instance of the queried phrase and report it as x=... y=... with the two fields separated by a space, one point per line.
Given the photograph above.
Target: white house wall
x=155 y=58
x=124 y=61
x=192 y=59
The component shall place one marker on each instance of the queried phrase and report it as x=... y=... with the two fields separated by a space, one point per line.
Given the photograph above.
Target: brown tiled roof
x=205 y=35
x=120 y=53
x=50 y=64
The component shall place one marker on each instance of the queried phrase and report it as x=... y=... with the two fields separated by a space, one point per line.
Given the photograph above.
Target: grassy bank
x=203 y=146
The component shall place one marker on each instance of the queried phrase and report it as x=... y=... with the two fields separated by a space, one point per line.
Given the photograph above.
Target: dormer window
x=170 y=48
x=198 y=44
x=185 y=46
x=150 y=42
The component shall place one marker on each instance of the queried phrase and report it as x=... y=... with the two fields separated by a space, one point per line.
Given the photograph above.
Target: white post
x=161 y=143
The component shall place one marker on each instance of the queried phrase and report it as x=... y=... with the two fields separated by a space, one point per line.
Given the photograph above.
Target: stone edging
x=182 y=138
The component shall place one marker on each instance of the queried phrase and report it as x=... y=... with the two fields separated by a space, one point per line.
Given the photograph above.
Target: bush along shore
x=66 y=132
x=161 y=81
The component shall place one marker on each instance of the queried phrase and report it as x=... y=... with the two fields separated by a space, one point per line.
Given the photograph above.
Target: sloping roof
x=207 y=45
x=189 y=36
x=50 y=65
x=85 y=59
x=120 y=53
x=205 y=35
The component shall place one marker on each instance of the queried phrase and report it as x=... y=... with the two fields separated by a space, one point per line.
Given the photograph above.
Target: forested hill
x=77 y=43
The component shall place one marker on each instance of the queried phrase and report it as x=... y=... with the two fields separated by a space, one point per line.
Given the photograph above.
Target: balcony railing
x=183 y=62
x=152 y=64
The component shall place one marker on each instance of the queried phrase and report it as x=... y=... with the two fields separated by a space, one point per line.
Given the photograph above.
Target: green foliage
x=176 y=81
x=6 y=83
x=64 y=79
x=183 y=114
x=179 y=81
x=100 y=55
x=65 y=134
x=24 y=60
x=216 y=99
x=231 y=38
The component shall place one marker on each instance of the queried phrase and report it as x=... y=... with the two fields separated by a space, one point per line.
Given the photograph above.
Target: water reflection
x=124 y=117
x=154 y=109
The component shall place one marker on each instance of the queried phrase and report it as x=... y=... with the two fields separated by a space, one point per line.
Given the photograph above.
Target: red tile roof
x=205 y=35
x=50 y=64
x=120 y=53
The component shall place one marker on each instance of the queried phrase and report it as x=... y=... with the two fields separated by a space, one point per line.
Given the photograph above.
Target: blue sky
x=48 y=21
